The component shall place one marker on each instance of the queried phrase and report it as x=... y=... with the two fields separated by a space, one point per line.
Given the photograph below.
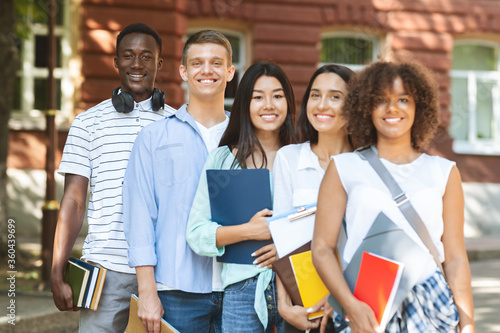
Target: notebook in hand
x=292 y=229
x=94 y=283
x=135 y=324
x=283 y=268
x=91 y=283
x=377 y=283
x=387 y=239
x=235 y=196
x=311 y=287
x=77 y=277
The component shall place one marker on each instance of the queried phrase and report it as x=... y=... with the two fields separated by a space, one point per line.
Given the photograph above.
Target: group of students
x=162 y=209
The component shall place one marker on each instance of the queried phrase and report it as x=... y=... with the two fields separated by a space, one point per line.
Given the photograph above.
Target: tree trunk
x=9 y=60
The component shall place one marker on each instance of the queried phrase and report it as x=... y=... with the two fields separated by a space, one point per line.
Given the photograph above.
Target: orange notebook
x=377 y=283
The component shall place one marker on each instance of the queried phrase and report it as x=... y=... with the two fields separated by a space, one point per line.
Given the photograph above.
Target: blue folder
x=235 y=196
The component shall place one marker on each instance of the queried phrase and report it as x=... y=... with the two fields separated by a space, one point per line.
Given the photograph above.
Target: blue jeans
x=191 y=312
x=238 y=312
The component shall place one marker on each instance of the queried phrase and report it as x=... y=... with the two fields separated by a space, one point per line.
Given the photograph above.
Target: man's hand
x=63 y=296
x=150 y=311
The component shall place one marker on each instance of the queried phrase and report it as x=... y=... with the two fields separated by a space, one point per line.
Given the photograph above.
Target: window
x=353 y=50
x=237 y=41
x=475 y=91
x=31 y=85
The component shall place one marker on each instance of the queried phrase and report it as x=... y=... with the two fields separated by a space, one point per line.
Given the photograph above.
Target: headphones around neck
x=124 y=102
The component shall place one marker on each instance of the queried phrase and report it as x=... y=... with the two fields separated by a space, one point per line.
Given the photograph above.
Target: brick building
x=458 y=39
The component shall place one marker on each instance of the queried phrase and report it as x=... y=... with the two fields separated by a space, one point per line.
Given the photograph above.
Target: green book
x=77 y=277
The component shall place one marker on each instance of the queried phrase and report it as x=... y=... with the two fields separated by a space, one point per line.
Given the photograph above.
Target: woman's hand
x=362 y=318
x=266 y=255
x=327 y=315
x=257 y=226
x=297 y=315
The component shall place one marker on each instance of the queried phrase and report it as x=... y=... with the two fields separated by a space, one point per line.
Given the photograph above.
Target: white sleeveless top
x=424 y=181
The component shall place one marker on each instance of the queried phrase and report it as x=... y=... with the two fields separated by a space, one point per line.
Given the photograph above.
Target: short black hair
x=139 y=28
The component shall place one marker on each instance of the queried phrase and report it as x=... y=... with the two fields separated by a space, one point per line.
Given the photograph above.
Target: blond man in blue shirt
x=159 y=187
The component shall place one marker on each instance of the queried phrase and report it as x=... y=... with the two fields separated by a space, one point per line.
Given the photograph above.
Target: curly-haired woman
x=394 y=108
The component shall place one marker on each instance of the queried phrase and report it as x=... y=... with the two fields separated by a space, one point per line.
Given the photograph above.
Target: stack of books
x=300 y=279
x=86 y=281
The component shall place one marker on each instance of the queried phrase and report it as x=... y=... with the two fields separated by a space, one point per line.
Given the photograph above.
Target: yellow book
x=135 y=324
x=98 y=288
x=311 y=288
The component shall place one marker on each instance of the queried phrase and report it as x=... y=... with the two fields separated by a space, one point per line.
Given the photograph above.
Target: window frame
x=474 y=145
x=352 y=34
x=27 y=117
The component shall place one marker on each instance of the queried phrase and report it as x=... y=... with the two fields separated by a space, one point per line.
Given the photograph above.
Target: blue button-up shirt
x=158 y=191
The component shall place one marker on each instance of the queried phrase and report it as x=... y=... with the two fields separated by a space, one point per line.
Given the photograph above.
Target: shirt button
x=270 y=298
x=137 y=105
x=137 y=120
x=270 y=307
x=269 y=287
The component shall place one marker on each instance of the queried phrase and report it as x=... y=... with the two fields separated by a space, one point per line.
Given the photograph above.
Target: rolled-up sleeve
x=139 y=206
x=201 y=232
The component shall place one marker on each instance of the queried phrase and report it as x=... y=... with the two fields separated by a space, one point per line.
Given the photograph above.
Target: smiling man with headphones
x=97 y=150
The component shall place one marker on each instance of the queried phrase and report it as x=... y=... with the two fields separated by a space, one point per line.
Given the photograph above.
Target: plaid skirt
x=428 y=308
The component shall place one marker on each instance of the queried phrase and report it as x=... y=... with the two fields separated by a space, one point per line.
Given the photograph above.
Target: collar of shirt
x=144 y=105
x=307 y=158
x=183 y=115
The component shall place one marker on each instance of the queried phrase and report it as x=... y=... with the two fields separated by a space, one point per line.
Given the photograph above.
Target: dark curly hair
x=366 y=87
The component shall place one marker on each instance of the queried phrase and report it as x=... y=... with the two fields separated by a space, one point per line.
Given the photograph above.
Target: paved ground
x=36 y=313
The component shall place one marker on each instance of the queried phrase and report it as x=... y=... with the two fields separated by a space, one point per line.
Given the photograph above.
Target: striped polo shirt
x=98 y=147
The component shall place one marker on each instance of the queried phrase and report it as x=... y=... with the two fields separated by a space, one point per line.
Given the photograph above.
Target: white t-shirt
x=211 y=137
x=98 y=147
x=424 y=181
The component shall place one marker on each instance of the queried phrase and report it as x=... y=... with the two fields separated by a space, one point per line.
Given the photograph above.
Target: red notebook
x=377 y=283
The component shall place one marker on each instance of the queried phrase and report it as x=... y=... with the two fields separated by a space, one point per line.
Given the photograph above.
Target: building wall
x=287 y=32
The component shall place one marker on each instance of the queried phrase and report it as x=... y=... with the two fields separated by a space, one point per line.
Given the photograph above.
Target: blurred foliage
x=27 y=13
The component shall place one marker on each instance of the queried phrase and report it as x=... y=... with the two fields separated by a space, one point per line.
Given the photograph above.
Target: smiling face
x=207 y=71
x=325 y=102
x=138 y=62
x=268 y=107
x=394 y=113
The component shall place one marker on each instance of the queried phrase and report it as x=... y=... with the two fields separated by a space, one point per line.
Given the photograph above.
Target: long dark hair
x=240 y=132
x=305 y=131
